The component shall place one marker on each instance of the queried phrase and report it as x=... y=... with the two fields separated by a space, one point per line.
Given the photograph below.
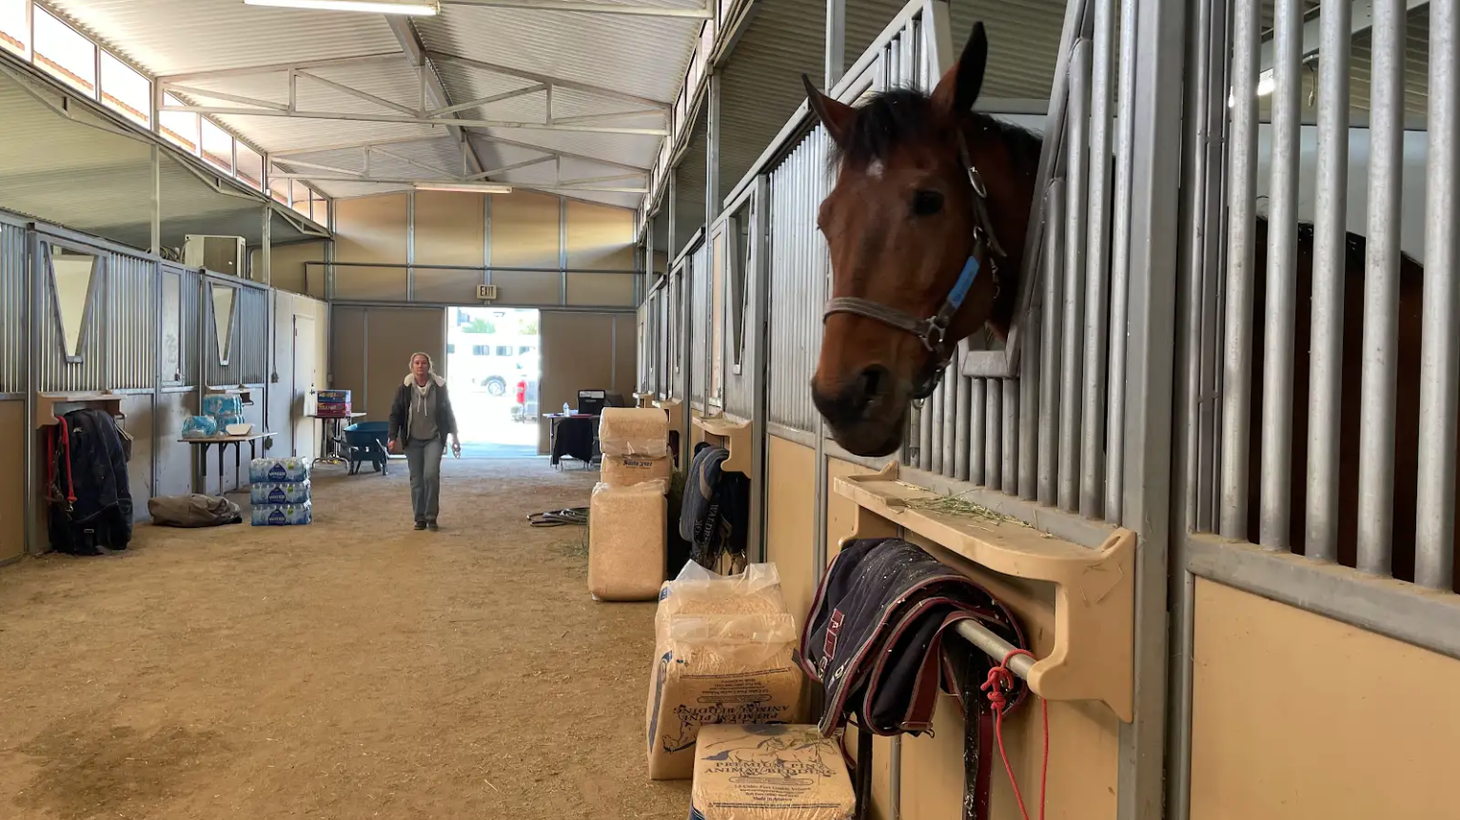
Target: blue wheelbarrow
x=365 y=441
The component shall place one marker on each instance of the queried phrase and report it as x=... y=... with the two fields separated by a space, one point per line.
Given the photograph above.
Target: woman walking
x=420 y=420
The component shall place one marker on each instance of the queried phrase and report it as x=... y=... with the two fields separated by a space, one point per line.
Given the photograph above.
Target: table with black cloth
x=574 y=435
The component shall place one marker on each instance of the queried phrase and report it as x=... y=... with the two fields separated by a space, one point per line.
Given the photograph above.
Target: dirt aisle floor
x=350 y=669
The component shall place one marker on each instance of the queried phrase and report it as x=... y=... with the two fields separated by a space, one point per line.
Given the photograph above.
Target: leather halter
x=933 y=329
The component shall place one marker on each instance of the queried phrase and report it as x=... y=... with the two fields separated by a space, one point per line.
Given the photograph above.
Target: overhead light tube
x=420 y=8
x=465 y=187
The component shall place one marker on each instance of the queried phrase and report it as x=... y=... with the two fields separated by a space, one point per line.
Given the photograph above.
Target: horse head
x=929 y=200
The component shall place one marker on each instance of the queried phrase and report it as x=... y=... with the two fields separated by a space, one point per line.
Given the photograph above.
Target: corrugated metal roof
x=177 y=36
x=46 y=159
x=644 y=56
x=631 y=55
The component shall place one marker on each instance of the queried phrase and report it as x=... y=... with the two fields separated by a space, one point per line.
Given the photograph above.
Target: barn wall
x=540 y=250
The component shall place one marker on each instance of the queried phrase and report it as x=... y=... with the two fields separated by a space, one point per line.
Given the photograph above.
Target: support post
x=266 y=248
x=836 y=42
x=156 y=234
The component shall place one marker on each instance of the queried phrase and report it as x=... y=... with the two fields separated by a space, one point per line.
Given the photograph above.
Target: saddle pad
x=876 y=639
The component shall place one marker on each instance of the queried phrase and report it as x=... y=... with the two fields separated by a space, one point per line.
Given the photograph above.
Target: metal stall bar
x=1050 y=330
x=1241 y=239
x=940 y=428
x=951 y=380
x=1381 y=291
x=1097 y=270
x=1439 y=381
x=995 y=647
x=1010 y=429
x=1282 y=276
x=977 y=428
x=1330 y=241
x=1120 y=261
x=961 y=412
x=1075 y=239
x=993 y=438
x=1029 y=407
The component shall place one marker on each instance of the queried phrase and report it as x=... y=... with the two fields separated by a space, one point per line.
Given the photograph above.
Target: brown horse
x=925 y=184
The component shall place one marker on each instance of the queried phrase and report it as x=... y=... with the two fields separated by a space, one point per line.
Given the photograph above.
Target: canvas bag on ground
x=724 y=653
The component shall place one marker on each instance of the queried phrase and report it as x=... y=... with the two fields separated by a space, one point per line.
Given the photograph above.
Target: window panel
x=217 y=147
x=181 y=128
x=320 y=210
x=125 y=91
x=300 y=202
x=278 y=188
x=15 y=26
x=64 y=53
x=250 y=167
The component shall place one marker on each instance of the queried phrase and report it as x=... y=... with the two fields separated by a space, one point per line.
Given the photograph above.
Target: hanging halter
x=933 y=329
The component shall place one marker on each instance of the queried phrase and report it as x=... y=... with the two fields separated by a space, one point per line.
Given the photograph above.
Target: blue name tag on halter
x=964 y=283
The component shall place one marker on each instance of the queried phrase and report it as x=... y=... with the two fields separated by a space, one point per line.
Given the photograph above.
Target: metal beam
x=557 y=153
x=358 y=94
x=705 y=12
x=403 y=119
x=348 y=146
x=425 y=166
x=296 y=163
x=271 y=68
x=431 y=86
x=613 y=115
x=573 y=183
x=1361 y=20
x=514 y=166
x=191 y=91
x=546 y=79
x=481 y=101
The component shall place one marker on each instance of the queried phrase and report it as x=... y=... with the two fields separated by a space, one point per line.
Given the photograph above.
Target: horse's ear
x=834 y=114
x=958 y=90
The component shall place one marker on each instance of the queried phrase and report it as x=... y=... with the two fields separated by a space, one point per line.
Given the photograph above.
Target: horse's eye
x=927 y=203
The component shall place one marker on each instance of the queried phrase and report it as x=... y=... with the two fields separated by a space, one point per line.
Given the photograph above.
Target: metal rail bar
x=995 y=647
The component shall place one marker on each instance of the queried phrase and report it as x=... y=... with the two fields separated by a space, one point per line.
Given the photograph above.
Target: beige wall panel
x=577 y=354
x=175 y=459
x=600 y=237
x=1084 y=737
x=371 y=229
x=530 y=288
x=446 y=287
x=288 y=271
x=347 y=359
x=451 y=228
x=12 y=481
x=791 y=521
x=525 y=232
x=371 y=284
x=601 y=289
x=393 y=335
x=1298 y=716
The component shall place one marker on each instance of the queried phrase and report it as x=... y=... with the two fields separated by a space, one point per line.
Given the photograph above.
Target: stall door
x=306 y=380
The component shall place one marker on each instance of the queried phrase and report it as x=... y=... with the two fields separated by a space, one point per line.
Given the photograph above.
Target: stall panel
x=70 y=276
x=1361 y=725
x=12 y=482
x=798 y=271
x=14 y=269
x=131 y=306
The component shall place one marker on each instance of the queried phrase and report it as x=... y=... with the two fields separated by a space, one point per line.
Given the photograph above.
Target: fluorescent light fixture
x=1265 y=86
x=465 y=187
x=424 y=8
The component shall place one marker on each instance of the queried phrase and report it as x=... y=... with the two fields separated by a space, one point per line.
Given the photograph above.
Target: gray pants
x=424 y=460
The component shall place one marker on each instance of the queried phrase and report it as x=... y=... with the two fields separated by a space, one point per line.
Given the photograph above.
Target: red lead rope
x=1001 y=679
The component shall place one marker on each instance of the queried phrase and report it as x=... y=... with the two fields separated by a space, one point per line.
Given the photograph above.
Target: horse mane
x=904 y=115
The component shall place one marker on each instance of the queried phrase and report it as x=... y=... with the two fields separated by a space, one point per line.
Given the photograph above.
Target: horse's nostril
x=874 y=381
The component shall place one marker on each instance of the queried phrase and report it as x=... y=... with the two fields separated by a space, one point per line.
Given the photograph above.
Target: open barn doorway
x=493 y=358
